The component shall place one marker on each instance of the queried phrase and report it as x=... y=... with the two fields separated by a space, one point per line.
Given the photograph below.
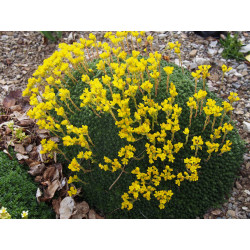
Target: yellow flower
x=168 y=70
x=74 y=165
x=150 y=39
x=233 y=97
x=72 y=191
x=225 y=69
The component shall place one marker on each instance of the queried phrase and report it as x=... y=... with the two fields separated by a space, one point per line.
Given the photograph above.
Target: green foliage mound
x=232 y=47
x=18 y=191
x=190 y=199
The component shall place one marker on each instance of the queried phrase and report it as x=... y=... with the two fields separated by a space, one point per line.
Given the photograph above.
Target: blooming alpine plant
x=117 y=109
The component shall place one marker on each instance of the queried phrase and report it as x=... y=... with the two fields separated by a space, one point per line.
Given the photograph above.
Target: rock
x=212 y=52
x=245 y=49
x=202 y=61
x=236 y=85
x=193 y=53
x=210 y=86
x=247 y=191
x=244 y=73
x=220 y=50
x=193 y=66
x=246 y=127
x=162 y=36
x=231 y=213
x=241 y=66
x=239 y=112
x=4 y=37
x=245 y=208
x=213 y=44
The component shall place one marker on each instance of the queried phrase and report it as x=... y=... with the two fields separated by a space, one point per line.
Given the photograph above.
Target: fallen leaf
x=82 y=207
x=50 y=191
x=38 y=178
x=56 y=205
x=16 y=94
x=49 y=173
x=99 y=216
x=9 y=155
x=26 y=123
x=16 y=108
x=216 y=212
x=20 y=116
x=92 y=214
x=39 y=148
x=8 y=102
x=37 y=169
x=20 y=149
x=38 y=194
x=21 y=156
x=248 y=58
x=67 y=206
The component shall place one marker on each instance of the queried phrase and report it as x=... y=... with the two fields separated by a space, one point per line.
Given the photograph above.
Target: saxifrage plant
x=143 y=137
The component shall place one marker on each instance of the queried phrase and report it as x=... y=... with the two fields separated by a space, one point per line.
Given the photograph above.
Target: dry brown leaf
x=56 y=205
x=20 y=149
x=38 y=194
x=50 y=191
x=26 y=122
x=82 y=207
x=99 y=216
x=15 y=108
x=49 y=173
x=216 y=212
x=92 y=214
x=21 y=157
x=20 y=116
x=67 y=206
x=38 y=178
x=16 y=94
x=37 y=169
x=8 y=102
x=9 y=155
x=41 y=156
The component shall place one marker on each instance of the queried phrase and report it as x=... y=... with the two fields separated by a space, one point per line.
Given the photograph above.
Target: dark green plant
x=232 y=47
x=191 y=199
x=52 y=36
x=18 y=191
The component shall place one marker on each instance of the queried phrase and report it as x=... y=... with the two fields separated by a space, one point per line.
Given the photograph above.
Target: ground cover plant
x=143 y=138
x=18 y=192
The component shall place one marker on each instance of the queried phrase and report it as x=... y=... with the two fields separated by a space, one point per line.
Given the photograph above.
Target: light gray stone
x=245 y=49
x=246 y=127
x=193 y=66
x=213 y=44
x=202 y=61
x=241 y=66
x=212 y=52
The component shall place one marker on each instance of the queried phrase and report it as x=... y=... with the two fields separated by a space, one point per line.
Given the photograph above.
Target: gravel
x=22 y=52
